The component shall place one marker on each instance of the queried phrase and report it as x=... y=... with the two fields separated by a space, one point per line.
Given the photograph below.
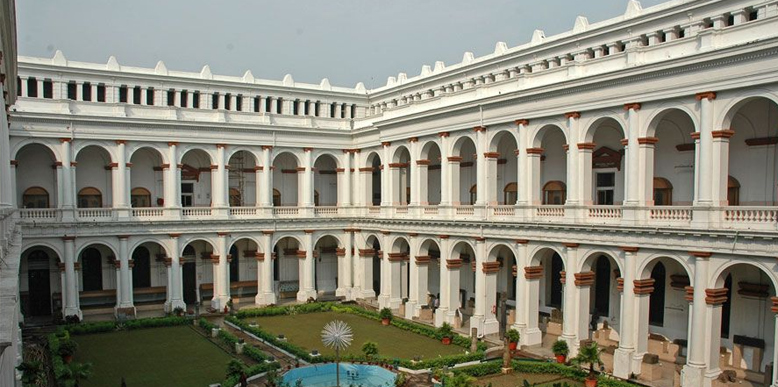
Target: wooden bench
x=237 y=289
x=150 y=295
x=97 y=298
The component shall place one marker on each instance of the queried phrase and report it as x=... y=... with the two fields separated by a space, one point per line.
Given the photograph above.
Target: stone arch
x=645 y=266
x=94 y=167
x=80 y=247
x=31 y=244
x=610 y=119
x=79 y=146
x=540 y=252
x=498 y=135
x=19 y=146
x=537 y=135
x=427 y=147
x=133 y=149
x=232 y=150
x=731 y=109
x=662 y=112
x=146 y=240
x=286 y=171
x=673 y=155
x=587 y=259
x=36 y=165
x=326 y=234
x=290 y=153
x=183 y=150
x=147 y=173
x=325 y=179
x=401 y=154
x=459 y=141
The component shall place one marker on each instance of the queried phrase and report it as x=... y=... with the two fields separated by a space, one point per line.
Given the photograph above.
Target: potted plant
x=386 y=316
x=67 y=349
x=446 y=333
x=369 y=349
x=513 y=339
x=76 y=372
x=560 y=350
x=589 y=354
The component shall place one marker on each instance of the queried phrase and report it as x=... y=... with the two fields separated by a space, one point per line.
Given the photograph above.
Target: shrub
x=385 y=314
x=445 y=330
x=370 y=349
x=68 y=348
x=590 y=355
x=513 y=335
x=560 y=348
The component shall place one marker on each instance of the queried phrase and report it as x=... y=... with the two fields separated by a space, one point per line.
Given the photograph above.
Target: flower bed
x=540 y=367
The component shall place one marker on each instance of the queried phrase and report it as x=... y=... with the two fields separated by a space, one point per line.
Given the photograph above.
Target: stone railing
x=464 y=210
x=243 y=211
x=605 y=214
x=326 y=211
x=39 y=214
x=550 y=211
x=428 y=210
x=286 y=211
x=196 y=212
x=671 y=214
x=504 y=211
x=150 y=212
x=95 y=213
x=751 y=217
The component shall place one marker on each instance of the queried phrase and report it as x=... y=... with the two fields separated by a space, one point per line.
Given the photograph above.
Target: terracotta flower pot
x=67 y=359
x=561 y=359
x=446 y=341
x=591 y=382
x=512 y=346
x=384 y=321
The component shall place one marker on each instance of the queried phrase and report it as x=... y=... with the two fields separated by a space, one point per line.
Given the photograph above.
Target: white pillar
x=693 y=372
x=172 y=180
x=574 y=187
x=521 y=311
x=481 y=171
x=632 y=193
x=124 y=285
x=7 y=193
x=344 y=190
x=622 y=358
x=720 y=166
x=345 y=267
x=307 y=186
x=176 y=278
x=445 y=171
x=71 y=307
x=221 y=274
x=522 y=162
x=775 y=347
x=68 y=183
x=385 y=275
x=219 y=190
x=705 y=149
x=570 y=302
x=307 y=285
x=386 y=181
x=267 y=294
x=267 y=178
x=120 y=190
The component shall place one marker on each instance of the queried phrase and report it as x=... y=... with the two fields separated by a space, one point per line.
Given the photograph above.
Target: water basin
x=351 y=375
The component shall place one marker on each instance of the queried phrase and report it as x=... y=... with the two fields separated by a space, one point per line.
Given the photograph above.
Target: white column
x=219 y=179
x=221 y=275
x=307 y=186
x=68 y=183
x=633 y=166
x=533 y=335
x=622 y=358
x=522 y=161
x=720 y=166
x=570 y=303
x=386 y=181
x=267 y=178
x=775 y=347
x=267 y=296
x=445 y=171
x=172 y=180
x=174 y=266
x=120 y=190
x=482 y=170
x=345 y=189
x=693 y=372
x=258 y=184
x=522 y=311
x=7 y=192
x=345 y=267
x=71 y=307
x=124 y=285
x=574 y=187
x=441 y=314
x=386 y=275
x=705 y=149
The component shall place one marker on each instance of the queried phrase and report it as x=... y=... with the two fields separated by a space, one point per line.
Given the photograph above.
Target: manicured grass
x=304 y=330
x=517 y=379
x=171 y=356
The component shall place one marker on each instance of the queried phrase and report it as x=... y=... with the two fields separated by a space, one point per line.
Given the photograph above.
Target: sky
x=347 y=41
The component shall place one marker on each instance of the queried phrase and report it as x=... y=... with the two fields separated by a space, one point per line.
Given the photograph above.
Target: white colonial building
x=622 y=176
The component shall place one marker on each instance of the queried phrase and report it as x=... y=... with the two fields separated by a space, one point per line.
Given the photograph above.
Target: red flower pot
x=591 y=382
x=512 y=346
x=384 y=321
x=446 y=341
x=561 y=359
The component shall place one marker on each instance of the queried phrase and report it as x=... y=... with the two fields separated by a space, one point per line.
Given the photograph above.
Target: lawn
x=304 y=330
x=517 y=379
x=171 y=356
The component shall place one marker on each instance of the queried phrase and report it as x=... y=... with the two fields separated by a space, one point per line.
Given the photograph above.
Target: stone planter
x=215 y=332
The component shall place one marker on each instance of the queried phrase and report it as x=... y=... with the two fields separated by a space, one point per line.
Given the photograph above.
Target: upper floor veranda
x=687 y=139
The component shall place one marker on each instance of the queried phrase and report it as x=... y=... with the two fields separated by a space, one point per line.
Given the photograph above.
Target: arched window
x=663 y=192
x=35 y=197
x=733 y=191
x=555 y=193
x=140 y=197
x=511 y=193
x=90 y=197
x=473 y=194
x=276 y=197
x=235 y=198
x=189 y=252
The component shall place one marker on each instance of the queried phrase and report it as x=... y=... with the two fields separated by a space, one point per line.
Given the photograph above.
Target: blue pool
x=356 y=375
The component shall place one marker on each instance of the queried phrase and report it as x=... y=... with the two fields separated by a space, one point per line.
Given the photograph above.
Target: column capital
x=480 y=239
x=351 y=230
x=308 y=231
x=267 y=147
x=14 y=163
x=624 y=142
x=443 y=134
x=453 y=263
x=454 y=159
x=123 y=237
x=259 y=256
x=492 y=155
x=522 y=241
x=64 y=139
x=689 y=293
x=490 y=267
x=648 y=140
x=480 y=128
x=695 y=135
x=585 y=278
x=172 y=143
x=573 y=115
x=422 y=259
x=632 y=106
x=413 y=139
x=535 y=151
x=267 y=232
x=521 y=122
x=724 y=133
x=774 y=308
x=413 y=234
x=423 y=162
x=120 y=142
x=644 y=286
x=307 y=149
x=67 y=238
x=443 y=236
x=716 y=296
x=533 y=272
x=586 y=145
x=570 y=245
x=176 y=235
x=222 y=233
x=386 y=143
x=700 y=254
x=709 y=95
x=221 y=146
x=385 y=232
x=629 y=249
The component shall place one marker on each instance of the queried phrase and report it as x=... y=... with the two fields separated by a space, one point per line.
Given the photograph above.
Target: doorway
x=39 y=284
x=190 y=283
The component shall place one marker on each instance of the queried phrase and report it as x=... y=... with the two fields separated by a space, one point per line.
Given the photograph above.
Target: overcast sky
x=347 y=41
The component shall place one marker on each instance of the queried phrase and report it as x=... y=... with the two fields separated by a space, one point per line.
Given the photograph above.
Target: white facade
x=576 y=173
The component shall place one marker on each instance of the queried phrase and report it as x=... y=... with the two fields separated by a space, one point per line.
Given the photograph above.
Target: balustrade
x=550 y=211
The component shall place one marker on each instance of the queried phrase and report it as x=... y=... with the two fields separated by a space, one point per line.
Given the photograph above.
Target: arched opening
x=146 y=178
x=140 y=197
x=747 y=323
x=603 y=153
x=506 y=282
x=401 y=177
x=601 y=296
x=554 y=193
x=503 y=165
x=36 y=167
x=286 y=179
x=465 y=175
x=35 y=197
x=372 y=180
x=656 y=307
x=551 y=142
x=325 y=181
x=141 y=269
x=473 y=194
x=326 y=270
x=673 y=156
x=398 y=274
x=754 y=143
x=90 y=197
x=430 y=164
x=196 y=178
x=276 y=197
x=198 y=277
x=39 y=280
x=461 y=293
x=93 y=178
x=149 y=274
x=289 y=268
x=243 y=267
x=510 y=193
x=373 y=268
x=242 y=179
x=663 y=192
x=98 y=277
x=428 y=286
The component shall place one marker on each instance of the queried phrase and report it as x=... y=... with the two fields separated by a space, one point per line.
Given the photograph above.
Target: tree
x=370 y=349
x=589 y=354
